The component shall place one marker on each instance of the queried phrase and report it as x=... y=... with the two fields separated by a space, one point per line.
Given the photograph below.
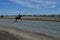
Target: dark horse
x=18 y=17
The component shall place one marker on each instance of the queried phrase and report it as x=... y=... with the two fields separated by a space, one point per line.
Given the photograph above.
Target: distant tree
x=53 y=15
x=48 y=15
x=44 y=15
x=59 y=15
x=2 y=16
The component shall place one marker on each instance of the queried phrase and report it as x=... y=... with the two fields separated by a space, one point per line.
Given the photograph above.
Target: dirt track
x=25 y=35
x=46 y=27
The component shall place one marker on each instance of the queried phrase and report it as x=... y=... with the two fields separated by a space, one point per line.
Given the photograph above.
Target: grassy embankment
x=54 y=19
x=44 y=19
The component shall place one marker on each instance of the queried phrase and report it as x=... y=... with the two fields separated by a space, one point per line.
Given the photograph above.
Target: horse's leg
x=16 y=19
x=20 y=18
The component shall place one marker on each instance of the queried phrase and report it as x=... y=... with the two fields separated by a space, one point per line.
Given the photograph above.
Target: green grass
x=54 y=19
x=43 y=19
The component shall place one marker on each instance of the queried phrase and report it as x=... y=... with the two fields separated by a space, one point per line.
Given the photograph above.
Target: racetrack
x=46 y=27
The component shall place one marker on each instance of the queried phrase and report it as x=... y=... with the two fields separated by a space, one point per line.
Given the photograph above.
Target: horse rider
x=18 y=17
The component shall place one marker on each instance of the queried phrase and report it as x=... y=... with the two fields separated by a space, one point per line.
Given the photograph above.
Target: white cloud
x=47 y=2
x=53 y=6
x=25 y=3
x=40 y=3
x=44 y=1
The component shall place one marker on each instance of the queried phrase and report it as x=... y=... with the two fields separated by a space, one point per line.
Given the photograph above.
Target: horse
x=18 y=17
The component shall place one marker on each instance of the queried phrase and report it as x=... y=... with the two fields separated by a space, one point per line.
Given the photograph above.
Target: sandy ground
x=26 y=35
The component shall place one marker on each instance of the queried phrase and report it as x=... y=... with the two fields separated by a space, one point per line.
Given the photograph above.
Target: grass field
x=43 y=19
x=54 y=19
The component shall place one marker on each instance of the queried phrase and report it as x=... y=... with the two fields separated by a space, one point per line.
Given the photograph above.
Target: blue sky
x=13 y=7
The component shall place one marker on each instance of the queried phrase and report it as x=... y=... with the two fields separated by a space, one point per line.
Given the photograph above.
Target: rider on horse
x=18 y=17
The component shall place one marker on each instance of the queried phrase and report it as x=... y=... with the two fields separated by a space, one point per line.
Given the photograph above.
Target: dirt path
x=25 y=35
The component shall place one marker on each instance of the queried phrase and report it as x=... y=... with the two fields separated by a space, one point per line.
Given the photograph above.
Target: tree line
x=2 y=16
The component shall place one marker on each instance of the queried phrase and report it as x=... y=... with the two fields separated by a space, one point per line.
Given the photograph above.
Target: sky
x=29 y=7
